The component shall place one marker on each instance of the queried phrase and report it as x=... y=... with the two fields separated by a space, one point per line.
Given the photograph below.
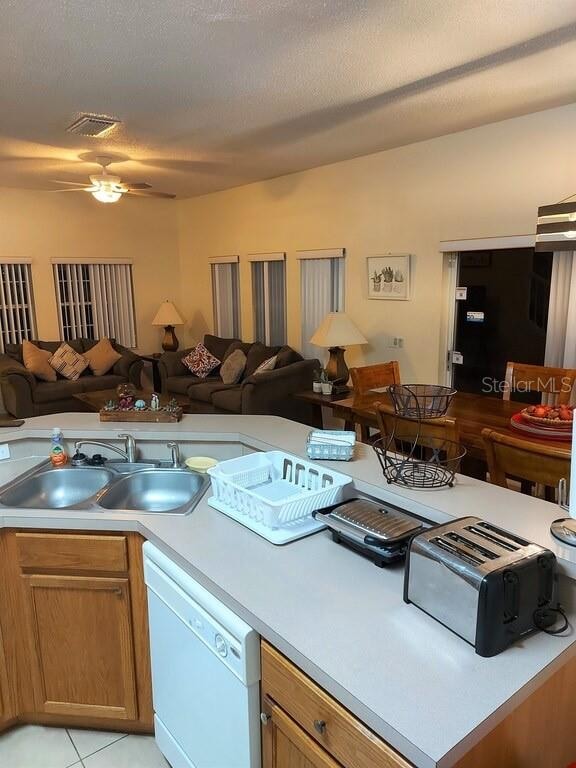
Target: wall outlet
x=395 y=342
x=4 y=451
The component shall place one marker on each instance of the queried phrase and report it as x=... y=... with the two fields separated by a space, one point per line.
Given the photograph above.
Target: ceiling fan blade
x=150 y=193
x=139 y=185
x=70 y=183
x=70 y=189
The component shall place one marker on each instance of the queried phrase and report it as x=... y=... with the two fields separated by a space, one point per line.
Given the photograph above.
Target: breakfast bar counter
x=330 y=611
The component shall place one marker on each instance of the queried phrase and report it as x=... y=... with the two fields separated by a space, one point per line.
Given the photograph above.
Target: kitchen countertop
x=337 y=616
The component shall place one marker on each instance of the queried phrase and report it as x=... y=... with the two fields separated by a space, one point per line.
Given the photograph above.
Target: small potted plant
x=317 y=382
x=325 y=383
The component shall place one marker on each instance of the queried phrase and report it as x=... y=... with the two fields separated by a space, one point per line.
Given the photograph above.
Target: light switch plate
x=4 y=451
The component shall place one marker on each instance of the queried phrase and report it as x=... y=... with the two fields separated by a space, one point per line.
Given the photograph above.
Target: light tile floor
x=36 y=746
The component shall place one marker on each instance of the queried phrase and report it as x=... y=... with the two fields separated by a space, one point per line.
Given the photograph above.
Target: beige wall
x=42 y=226
x=484 y=182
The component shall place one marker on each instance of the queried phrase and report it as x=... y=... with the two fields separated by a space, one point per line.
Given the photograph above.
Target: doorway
x=501 y=314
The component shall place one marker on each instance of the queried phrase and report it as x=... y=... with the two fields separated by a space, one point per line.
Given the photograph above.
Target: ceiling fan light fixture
x=106 y=195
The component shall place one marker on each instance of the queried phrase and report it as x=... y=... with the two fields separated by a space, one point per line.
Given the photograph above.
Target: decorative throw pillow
x=233 y=367
x=200 y=362
x=101 y=357
x=67 y=362
x=267 y=365
x=36 y=361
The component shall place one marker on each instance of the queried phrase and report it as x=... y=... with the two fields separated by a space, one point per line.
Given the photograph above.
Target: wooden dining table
x=472 y=412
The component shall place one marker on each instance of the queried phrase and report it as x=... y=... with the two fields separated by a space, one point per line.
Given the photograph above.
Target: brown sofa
x=265 y=393
x=24 y=395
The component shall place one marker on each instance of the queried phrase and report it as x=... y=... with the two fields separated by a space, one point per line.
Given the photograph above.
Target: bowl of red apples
x=552 y=416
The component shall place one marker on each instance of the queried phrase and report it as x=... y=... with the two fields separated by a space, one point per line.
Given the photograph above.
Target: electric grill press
x=377 y=530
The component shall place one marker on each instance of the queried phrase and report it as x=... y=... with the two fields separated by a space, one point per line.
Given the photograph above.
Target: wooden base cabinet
x=79 y=604
x=286 y=745
x=304 y=727
x=82 y=658
x=7 y=713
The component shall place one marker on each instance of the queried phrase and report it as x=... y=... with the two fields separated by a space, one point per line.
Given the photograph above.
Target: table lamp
x=168 y=316
x=335 y=332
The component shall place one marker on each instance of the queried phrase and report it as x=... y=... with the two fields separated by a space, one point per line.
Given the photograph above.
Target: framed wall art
x=389 y=277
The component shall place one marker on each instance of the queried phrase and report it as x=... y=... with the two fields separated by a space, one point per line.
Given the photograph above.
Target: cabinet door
x=6 y=712
x=286 y=745
x=82 y=658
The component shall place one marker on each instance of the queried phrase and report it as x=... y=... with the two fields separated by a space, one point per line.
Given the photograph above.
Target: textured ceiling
x=216 y=93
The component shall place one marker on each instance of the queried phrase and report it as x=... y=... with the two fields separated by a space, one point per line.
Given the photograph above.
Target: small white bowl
x=200 y=463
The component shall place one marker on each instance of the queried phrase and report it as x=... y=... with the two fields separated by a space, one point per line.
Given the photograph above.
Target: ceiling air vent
x=92 y=125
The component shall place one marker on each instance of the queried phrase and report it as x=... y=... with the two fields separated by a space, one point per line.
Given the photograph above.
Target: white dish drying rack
x=275 y=493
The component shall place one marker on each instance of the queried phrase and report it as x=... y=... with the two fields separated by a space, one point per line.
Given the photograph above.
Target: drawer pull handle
x=320 y=726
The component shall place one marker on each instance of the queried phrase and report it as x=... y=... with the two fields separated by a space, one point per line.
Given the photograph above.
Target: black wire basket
x=420 y=401
x=419 y=463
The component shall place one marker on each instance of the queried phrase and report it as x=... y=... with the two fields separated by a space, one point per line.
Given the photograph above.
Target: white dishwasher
x=205 y=672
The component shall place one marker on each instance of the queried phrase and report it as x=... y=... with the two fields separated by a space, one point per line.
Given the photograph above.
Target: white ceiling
x=216 y=93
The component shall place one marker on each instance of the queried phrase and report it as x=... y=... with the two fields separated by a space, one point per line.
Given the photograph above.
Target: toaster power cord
x=545 y=618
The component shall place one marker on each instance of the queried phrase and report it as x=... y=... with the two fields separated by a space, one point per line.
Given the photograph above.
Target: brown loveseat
x=24 y=395
x=263 y=393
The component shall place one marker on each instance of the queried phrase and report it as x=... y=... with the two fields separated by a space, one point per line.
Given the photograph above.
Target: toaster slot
x=446 y=546
x=504 y=536
x=483 y=534
x=477 y=549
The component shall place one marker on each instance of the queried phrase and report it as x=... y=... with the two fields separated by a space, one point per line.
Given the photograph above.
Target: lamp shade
x=337 y=330
x=167 y=315
x=556 y=230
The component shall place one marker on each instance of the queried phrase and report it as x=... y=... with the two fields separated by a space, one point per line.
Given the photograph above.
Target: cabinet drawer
x=323 y=718
x=72 y=552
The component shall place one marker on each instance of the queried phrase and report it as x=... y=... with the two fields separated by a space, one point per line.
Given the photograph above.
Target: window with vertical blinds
x=17 y=315
x=96 y=301
x=226 y=299
x=322 y=282
x=269 y=301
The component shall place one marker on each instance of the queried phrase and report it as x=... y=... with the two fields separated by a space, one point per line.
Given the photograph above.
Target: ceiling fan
x=107 y=188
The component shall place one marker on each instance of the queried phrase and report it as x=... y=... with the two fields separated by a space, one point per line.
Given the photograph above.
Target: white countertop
x=336 y=615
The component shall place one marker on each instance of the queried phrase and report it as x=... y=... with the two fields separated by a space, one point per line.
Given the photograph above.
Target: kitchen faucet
x=128 y=454
x=174 y=454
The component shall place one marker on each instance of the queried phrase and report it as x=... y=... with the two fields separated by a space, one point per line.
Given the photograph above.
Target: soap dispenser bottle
x=58 y=455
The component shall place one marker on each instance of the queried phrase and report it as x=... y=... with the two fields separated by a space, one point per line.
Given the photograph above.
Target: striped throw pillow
x=67 y=362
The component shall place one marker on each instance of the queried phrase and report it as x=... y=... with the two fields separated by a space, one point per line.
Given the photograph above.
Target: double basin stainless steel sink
x=119 y=486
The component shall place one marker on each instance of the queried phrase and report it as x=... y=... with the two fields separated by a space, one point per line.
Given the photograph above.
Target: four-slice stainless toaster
x=480 y=581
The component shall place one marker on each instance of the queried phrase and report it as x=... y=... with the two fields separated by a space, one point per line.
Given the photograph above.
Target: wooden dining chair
x=365 y=379
x=428 y=431
x=557 y=382
x=514 y=457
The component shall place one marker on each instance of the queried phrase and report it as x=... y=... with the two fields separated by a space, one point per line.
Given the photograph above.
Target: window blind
x=226 y=299
x=269 y=301
x=17 y=314
x=322 y=282
x=96 y=301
